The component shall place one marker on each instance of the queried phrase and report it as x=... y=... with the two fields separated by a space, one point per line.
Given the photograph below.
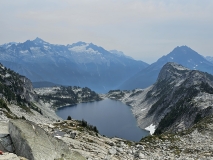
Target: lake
x=112 y=118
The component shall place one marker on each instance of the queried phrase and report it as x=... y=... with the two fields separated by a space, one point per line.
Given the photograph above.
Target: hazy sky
x=142 y=29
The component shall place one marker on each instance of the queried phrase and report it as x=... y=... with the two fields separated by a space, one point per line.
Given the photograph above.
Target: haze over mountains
x=80 y=64
x=182 y=55
x=88 y=65
x=209 y=58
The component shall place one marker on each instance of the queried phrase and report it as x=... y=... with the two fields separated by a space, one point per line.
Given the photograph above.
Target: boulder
x=9 y=156
x=112 y=151
x=34 y=143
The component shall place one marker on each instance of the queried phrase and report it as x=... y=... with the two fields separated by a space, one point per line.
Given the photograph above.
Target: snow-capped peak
x=39 y=41
x=7 y=45
x=82 y=47
x=119 y=53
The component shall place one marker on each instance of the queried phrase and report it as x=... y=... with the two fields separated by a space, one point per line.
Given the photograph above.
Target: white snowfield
x=151 y=129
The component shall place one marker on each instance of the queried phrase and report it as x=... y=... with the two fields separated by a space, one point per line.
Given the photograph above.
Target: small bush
x=84 y=123
x=23 y=118
x=69 y=118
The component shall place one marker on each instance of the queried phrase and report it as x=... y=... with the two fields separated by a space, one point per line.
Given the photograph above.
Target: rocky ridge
x=182 y=55
x=177 y=90
x=61 y=96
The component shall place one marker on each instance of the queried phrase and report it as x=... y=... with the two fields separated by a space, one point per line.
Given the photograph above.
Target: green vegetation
x=34 y=107
x=6 y=91
x=4 y=105
x=66 y=95
x=205 y=87
x=24 y=107
x=198 y=117
x=69 y=118
x=88 y=126
x=181 y=107
x=177 y=102
x=23 y=118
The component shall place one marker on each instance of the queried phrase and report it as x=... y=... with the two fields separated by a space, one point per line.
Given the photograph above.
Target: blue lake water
x=112 y=118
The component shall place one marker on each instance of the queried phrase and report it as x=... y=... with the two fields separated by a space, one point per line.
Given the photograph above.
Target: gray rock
x=34 y=143
x=141 y=155
x=129 y=151
x=120 y=150
x=112 y=143
x=6 y=144
x=73 y=135
x=9 y=156
x=112 y=151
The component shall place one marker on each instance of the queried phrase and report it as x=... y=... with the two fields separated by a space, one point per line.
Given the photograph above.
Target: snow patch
x=47 y=47
x=151 y=129
x=83 y=48
x=7 y=75
x=143 y=109
x=24 y=52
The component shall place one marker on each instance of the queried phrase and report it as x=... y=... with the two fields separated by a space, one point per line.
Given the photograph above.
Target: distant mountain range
x=182 y=55
x=79 y=64
x=88 y=65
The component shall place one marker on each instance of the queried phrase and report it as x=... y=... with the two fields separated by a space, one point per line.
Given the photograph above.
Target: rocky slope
x=61 y=96
x=33 y=142
x=179 y=99
x=182 y=55
x=193 y=143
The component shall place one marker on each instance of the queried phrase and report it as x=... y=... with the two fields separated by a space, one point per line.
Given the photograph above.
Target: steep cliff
x=179 y=99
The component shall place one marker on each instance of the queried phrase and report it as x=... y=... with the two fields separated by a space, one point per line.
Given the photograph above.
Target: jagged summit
x=80 y=43
x=182 y=55
x=171 y=70
x=38 y=40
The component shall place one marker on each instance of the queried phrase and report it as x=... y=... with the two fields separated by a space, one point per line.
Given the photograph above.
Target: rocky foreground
x=67 y=139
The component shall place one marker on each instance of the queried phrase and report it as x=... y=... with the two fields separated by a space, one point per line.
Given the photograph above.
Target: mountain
x=63 y=96
x=182 y=55
x=79 y=64
x=15 y=88
x=179 y=99
x=209 y=58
